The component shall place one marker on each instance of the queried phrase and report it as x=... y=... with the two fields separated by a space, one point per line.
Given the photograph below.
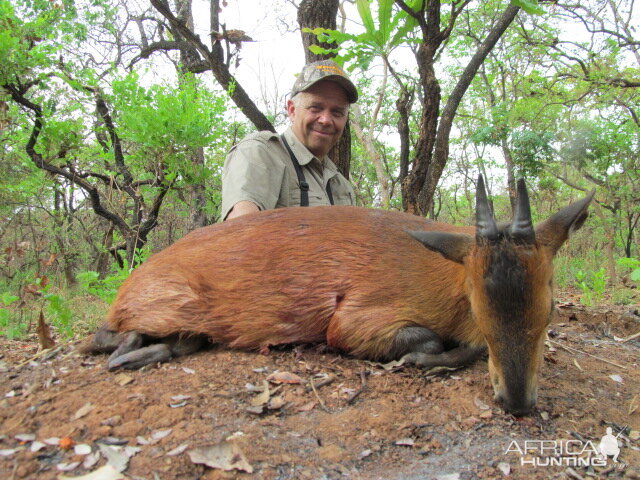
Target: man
x=267 y=170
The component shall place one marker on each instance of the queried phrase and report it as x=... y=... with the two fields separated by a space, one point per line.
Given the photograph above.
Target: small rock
x=505 y=468
x=405 y=442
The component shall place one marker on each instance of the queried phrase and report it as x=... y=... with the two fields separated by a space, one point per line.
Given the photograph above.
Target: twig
x=573 y=474
x=38 y=355
x=324 y=382
x=629 y=338
x=354 y=395
x=575 y=350
x=313 y=387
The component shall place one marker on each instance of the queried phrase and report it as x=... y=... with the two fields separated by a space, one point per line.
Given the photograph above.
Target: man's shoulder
x=264 y=137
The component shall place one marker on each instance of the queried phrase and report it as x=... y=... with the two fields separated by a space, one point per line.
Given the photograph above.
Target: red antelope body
x=359 y=279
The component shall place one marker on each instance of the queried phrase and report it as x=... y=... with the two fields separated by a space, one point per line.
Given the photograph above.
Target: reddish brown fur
x=347 y=275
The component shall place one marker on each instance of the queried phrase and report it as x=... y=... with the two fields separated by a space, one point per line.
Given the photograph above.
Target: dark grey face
x=508 y=293
x=518 y=311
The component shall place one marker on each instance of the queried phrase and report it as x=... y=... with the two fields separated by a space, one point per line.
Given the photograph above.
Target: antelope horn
x=522 y=227
x=485 y=223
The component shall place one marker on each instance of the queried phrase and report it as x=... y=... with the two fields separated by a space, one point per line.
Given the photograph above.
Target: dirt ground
x=345 y=418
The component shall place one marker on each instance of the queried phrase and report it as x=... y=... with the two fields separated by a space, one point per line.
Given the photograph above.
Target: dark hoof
x=135 y=359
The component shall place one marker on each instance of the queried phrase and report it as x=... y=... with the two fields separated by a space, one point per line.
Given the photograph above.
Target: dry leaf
x=160 y=434
x=284 y=377
x=37 y=446
x=505 y=468
x=90 y=460
x=44 y=333
x=67 y=467
x=48 y=263
x=307 y=407
x=405 y=442
x=391 y=365
x=25 y=437
x=177 y=450
x=82 y=411
x=480 y=404
x=276 y=403
x=365 y=453
x=263 y=397
x=115 y=457
x=106 y=472
x=123 y=379
x=224 y=455
x=82 y=449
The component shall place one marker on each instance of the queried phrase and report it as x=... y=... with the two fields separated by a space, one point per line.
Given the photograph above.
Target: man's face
x=319 y=115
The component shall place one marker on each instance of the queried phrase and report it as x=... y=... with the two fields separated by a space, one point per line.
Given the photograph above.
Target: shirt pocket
x=341 y=194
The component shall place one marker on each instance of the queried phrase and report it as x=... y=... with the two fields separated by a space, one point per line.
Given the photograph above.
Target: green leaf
x=530 y=6
x=384 y=19
x=364 y=9
x=317 y=49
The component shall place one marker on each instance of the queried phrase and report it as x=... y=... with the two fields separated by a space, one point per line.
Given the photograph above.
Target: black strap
x=329 y=194
x=304 y=186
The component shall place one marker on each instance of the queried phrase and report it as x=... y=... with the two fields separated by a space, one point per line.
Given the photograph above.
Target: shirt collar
x=301 y=152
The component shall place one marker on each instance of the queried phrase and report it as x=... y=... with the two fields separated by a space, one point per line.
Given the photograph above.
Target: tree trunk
x=432 y=151
x=322 y=14
x=316 y=14
x=197 y=193
x=188 y=57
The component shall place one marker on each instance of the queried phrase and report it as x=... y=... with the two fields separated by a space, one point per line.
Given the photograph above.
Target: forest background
x=116 y=116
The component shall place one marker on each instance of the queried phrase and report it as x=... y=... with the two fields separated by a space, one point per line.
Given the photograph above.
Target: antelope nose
x=518 y=408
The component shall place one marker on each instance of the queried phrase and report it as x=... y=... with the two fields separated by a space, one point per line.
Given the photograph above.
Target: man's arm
x=242 y=208
x=252 y=177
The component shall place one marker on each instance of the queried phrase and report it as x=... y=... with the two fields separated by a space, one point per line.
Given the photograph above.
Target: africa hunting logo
x=567 y=453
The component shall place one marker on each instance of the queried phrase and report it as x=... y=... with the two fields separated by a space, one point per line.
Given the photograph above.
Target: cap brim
x=346 y=84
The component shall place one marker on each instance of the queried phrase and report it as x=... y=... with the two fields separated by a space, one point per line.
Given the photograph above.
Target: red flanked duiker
x=360 y=280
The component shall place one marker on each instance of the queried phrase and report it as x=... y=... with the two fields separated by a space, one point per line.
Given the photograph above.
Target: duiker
x=360 y=280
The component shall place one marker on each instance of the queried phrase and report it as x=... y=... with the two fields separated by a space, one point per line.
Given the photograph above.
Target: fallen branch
x=322 y=383
x=575 y=350
x=363 y=387
x=38 y=355
x=313 y=387
x=629 y=338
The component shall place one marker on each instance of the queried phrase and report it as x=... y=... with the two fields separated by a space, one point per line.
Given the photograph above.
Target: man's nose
x=324 y=117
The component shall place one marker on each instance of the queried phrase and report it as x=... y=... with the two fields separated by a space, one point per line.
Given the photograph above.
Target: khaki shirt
x=259 y=169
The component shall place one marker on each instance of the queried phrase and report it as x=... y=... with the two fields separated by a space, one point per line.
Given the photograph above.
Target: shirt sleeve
x=252 y=173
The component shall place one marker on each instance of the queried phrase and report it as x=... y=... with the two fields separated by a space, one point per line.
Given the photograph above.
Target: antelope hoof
x=135 y=359
x=455 y=358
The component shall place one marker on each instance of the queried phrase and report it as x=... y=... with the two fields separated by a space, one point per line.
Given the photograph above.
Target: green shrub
x=592 y=285
x=10 y=326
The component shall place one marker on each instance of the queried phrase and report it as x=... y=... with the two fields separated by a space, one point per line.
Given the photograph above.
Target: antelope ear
x=452 y=246
x=554 y=231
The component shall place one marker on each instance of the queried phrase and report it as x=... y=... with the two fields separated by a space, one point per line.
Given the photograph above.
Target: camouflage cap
x=315 y=72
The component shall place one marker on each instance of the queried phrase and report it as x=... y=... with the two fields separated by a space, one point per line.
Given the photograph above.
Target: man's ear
x=291 y=108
